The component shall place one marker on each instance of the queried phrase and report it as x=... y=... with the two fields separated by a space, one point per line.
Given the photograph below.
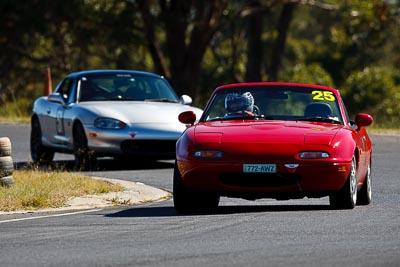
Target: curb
x=134 y=193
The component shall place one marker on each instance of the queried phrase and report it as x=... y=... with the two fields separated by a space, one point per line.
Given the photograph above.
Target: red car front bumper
x=307 y=179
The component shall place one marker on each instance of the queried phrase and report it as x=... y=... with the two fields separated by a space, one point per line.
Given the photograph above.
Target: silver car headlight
x=108 y=123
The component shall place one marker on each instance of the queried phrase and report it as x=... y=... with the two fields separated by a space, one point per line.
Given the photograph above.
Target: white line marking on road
x=49 y=216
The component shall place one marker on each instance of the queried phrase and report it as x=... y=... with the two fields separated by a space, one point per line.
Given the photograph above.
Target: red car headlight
x=208 y=154
x=314 y=155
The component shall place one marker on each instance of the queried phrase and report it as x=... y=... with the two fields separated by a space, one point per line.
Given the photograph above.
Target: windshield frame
x=160 y=88
x=277 y=91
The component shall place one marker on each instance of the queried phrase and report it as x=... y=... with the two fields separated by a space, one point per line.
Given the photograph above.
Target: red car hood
x=266 y=132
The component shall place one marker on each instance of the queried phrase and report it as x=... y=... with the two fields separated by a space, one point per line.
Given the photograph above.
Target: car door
x=360 y=139
x=359 y=136
x=56 y=111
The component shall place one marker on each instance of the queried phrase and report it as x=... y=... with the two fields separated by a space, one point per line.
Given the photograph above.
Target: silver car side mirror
x=186 y=100
x=56 y=97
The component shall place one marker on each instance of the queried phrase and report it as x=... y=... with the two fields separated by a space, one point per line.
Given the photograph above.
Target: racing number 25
x=323 y=95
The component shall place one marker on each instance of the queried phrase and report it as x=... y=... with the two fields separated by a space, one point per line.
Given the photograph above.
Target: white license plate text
x=259 y=168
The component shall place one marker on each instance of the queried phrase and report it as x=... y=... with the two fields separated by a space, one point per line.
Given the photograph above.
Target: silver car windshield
x=125 y=87
x=274 y=103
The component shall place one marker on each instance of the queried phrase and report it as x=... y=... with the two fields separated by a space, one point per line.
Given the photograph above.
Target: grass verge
x=16 y=111
x=383 y=130
x=37 y=189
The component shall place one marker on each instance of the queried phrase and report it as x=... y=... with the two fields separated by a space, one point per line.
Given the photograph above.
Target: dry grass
x=14 y=119
x=35 y=189
x=16 y=112
x=378 y=130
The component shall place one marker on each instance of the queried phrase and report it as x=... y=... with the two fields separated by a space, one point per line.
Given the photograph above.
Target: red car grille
x=156 y=148
x=258 y=179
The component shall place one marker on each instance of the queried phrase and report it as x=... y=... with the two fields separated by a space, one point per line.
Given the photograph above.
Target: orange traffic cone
x=48 y=88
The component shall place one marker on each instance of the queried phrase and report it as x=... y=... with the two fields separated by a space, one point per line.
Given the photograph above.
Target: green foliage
x=312 y=74
x=16 y=111
x=373 y=90
x=334 y=43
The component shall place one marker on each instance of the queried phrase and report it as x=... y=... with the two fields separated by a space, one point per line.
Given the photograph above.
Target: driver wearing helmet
x=239 y=104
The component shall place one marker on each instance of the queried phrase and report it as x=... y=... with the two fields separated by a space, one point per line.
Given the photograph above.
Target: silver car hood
x=140 y=112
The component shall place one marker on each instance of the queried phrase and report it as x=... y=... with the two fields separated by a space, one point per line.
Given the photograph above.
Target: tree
x=254 y=43
x=279 y=45
x=198 y=45
x=189 y=27
x=373 y=90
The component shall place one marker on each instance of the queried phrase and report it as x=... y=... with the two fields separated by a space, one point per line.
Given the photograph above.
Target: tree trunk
x=160 y=67
x=189 y=27
x=254 y=44
x=279 y=47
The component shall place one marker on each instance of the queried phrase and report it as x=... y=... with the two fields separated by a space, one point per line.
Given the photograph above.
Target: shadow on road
x=102 y=165
x=170 y=211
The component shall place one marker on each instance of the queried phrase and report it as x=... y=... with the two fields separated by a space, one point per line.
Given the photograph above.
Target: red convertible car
x=273 y=140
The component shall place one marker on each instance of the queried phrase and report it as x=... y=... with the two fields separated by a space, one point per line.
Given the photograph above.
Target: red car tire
x=188 y=200
x=365 y=194
x=346 y=198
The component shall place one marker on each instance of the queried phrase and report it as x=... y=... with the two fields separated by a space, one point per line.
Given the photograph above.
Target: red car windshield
x=275 y=103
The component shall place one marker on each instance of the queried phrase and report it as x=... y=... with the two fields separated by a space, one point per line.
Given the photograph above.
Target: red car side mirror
x=363 y=119
x=187 y=117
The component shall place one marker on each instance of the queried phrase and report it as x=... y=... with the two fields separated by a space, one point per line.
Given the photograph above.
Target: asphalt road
x=241 y=233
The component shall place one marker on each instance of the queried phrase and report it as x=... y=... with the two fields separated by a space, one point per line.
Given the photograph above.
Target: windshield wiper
x=167 y=100
x=116 y=98
x=243 y=116
x=320 y=119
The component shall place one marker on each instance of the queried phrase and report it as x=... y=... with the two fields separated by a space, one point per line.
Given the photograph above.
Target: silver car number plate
x=259 y=168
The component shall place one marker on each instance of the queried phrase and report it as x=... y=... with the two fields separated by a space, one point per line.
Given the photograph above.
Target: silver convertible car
x=108 y=113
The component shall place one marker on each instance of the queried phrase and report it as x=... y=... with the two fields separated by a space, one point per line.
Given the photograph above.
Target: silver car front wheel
x=84 y=158
x=39 y=153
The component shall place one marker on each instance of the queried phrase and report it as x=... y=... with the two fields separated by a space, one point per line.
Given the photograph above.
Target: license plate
x=259 y=168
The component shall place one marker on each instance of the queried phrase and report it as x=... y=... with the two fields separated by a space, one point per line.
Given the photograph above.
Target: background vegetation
x=352 y=45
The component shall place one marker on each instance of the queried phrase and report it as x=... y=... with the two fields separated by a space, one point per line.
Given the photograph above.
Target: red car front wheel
x=346 y=198
x=365 y=194
x=188 y=200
